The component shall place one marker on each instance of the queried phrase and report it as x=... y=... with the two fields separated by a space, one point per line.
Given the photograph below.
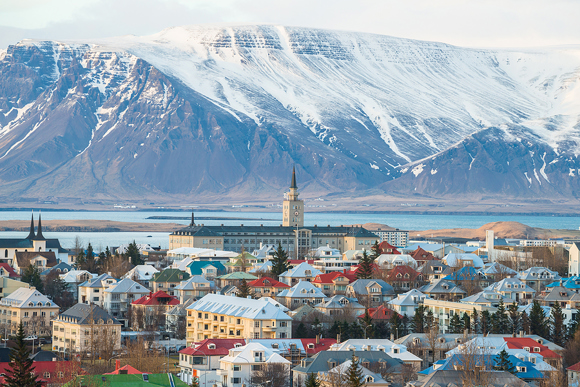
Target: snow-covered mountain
x=227 y=110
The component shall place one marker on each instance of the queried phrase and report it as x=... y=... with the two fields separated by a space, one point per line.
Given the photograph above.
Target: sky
x=470 y=23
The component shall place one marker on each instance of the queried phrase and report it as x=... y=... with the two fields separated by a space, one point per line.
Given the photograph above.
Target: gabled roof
x=97 y=281
x=212 y=347
x=141 y=273
x=466 y=273
x=575 y=367
x=361 y=286
x=328 y=278
x=24 y=297
x=410 y=298
x=427 y=268
x=497 y=268
x=486 y=296
x=83 y=314
x=170 y=275
x=300 y=271
x=238 y=275
x=522 y=342
x=380 y=313
x=387 y=248
x=421 y=255
x=157 y=298
x=127 y=285
x=339 y=302
x=456 y=259
x=536 y=273
x=23 y=257
x=509 y=285
x=320 y=362
x=71 y=276
x=8 y=270
x=196 y=267
x=196 y=279
x=62 y=266
x=129 y=371
x=245 y=354
x=302 y=289
x=267 y=282
x=442 y=286
x=403 y=270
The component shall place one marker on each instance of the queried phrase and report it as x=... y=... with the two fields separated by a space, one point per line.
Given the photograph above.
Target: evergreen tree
x=466 y=322
x=525 y=323
x=475 y=322
x=108 y=253
x=354 y=374
x=81 y=260
x=31 y=276
x=367 y=323
x=381 y=330
x=344 y=331
x=537 y=320
x=301 y=332
x=316 y=327
x=133 y=254
x=19 y=371
x=557 y=327
x=334 y=330
x=418 y=321
x=485 y=322
x=356 y=331
x=56 y=289
x=312 y=381
x=514 y=318
x=501 y=319
x=279 y=262
x=365 y=267
x=572 y=329
x=375 y=251
x=396 y=325
x=429 y=320
x=404 y=326
x=455 y=325
x=244 y=290
x=503 y=363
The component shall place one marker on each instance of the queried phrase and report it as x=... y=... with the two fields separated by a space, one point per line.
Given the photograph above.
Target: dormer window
x=310 y=346
x=527 y=349
x=211 y=346
x=536 y=349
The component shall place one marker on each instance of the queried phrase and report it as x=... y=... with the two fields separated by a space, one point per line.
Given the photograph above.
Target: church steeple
x=31 y=235
x=39 y=236
x=293 y=183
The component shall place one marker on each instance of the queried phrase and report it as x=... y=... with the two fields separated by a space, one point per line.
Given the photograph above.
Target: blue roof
x=568 y=283
x=465 y=273
x=61 y=265
x=195 y=267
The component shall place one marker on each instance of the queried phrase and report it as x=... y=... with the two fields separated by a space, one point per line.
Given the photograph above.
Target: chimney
x=318 y=339
x=392 y=337
x=249 y=297
x=117 y=364
x=521 y=333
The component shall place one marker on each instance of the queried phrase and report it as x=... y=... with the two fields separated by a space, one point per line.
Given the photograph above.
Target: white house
x=238 y=366
x=303 y=271
x=120 y=295
x=574 y=260
x=92 y=291
x=391 y=260
x=396 y=351
x=406 y=303
x=142 y=274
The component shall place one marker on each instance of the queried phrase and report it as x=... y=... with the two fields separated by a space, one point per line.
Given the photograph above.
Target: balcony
x=269 y=329
x=221 y=372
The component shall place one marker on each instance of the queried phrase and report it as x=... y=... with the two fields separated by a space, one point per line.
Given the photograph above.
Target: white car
x=32 y=337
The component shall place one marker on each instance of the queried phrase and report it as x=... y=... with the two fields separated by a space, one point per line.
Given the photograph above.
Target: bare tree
x=270 y=375
x=432 y=336
x=475 y=363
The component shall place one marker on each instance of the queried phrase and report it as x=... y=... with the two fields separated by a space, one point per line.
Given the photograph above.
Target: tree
x=537 y=320
x=355 y=330
x=133 y=254
x=57 y=290
x=466 y=322
x=418 y=321
x=244 y=290
x=19 y=371
x=503 y=363
x=354 y=374
x=375 y=251
x=557 y=328
x=334 y=330
x=365 y=268
x=279 y=262
x=475 y=322
x=312 y=381
x=271 y=374
x=525 y=322
x=485 y=322
x=500 y=319
x=455 y=325
x=514 y=318
x=301 y=332
x=31 y=276
x=194 y=382
x=367 y=322
x=396 y=324
x=432 y=337
x=429 y=320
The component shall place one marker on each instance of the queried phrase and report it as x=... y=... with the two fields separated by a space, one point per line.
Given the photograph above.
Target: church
x=296 y=238
x=35 y=249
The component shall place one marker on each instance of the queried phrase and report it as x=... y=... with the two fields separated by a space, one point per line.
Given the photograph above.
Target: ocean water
x=401 y=221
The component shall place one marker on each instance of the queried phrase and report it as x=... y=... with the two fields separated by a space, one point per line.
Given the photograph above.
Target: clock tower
x=293 y=208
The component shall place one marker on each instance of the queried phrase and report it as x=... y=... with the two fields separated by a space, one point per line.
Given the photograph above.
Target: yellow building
x=226 y=317
x=32 y=308
x=86 y=328
x=9 y=286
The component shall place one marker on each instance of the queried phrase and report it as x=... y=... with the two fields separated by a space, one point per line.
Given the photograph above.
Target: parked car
x=31 y=337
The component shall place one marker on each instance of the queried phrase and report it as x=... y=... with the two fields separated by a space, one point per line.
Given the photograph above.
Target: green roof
x=238 y=275
x=155 y=380
x=170 y=275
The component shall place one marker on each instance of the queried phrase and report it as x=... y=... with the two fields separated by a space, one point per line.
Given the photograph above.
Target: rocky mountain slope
x=214 y=112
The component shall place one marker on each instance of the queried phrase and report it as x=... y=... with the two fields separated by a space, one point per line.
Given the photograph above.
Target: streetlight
x=367 y=327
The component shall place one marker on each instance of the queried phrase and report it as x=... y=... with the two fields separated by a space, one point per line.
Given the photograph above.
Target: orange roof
x=575 y=367
x=267 y=282
x=422 y=255
x=387 y=248
x=130 y=371
x=521 y=342
x=157 y=298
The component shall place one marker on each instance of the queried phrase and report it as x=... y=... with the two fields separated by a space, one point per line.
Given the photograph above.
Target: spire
x=293 y=183
x=39 y=236
x=31 y=235
x=192 y=219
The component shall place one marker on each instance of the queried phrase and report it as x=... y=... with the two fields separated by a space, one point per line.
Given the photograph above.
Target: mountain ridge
x=240 y=105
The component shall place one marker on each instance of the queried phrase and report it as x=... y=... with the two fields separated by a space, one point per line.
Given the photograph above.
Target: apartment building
x=227 y=317
x=443 y=311
x=92 y=291
x=29 y=306
x=120 y=295
x=85 y=328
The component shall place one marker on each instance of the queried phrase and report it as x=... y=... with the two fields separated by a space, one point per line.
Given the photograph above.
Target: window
x=256 y=324
x=46 y=375
x=236 y=380
x=256 y=367
x=236 y=367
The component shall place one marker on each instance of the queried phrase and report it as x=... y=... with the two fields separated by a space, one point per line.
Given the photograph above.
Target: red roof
x=267 y=282
x=9 y=269
x=130 y=371
x=354 y=270
x=380 y=313
x=403 y=270
x=521 y=342
x=387 y=248
x=422 y=255
x=157 y=298
x=575 y=367
x=329 y=277
x=323 y=345
x=212 y=347
x=52 y=367
x=299 y=261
